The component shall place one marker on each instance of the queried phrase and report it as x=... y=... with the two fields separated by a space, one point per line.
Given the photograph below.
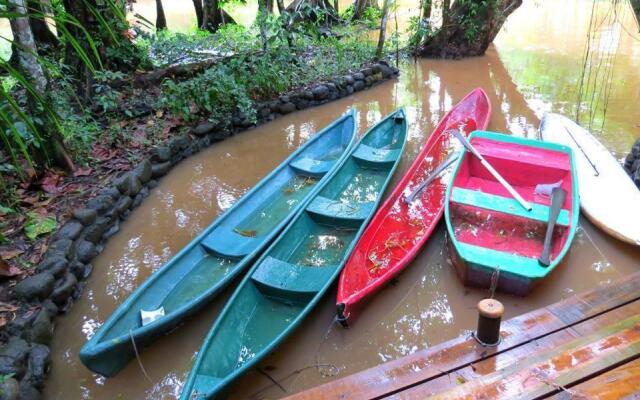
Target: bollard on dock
x=490 y=313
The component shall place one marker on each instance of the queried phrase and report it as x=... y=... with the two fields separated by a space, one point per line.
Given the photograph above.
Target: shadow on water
x=426 y=305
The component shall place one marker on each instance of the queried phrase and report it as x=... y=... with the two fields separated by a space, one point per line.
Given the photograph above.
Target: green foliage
x=37 y=225
x=214 y=92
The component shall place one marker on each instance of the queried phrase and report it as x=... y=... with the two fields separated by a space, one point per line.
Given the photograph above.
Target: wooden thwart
x=441 y=360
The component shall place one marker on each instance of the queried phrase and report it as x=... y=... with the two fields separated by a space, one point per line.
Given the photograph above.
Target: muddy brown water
x=427 y=304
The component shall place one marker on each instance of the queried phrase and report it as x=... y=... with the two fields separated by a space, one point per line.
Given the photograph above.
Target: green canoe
x=291 y=276
x=206 y=265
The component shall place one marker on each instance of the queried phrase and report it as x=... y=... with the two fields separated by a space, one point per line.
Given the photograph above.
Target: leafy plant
x=37 y=225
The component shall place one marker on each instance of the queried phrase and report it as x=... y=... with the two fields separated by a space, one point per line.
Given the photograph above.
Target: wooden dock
x=584 y=347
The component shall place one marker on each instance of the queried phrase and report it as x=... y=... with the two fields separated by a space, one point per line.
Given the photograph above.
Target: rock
x=178 y=144
x=142 y=171
x=152 y=184
x=85 y=251
x=636 y=177
x=93 y=233
x=636 y=165
x=56 y=265
x=203 y=129
x=264 y=112
x=122 y=183
x=320 y=92
x=9 y=389
x=41 y=329
x=350 y=89
x=358 y=76
x=86 y=216
x=386 y=71
x=377 y=76
x=348 y=79
x=71 y=230
x=61 y=248
x=138 y=199
x=113 y=230
x=376 y=68
x=13 y=357
x=307 y=95
x=80 y=270
x=285 y=99
x=332 y=88
x=628 y=162
x=161 y=154
x=50 y=307
x=158 y=170
x=101 y=204
x=635 y=149
x=301 y=104
x=203 y=142
x=367 y=71
x=38 y=365
x=287 y=108
x=124 y=204
x=134 y=185
x=64 y=288
x=28 y=392
x=368 y=81
x=36 y=286
x=359 y=85
x=113 y=192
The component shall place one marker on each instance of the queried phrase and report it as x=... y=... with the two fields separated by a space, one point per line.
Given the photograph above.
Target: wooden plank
x=395 y=376
x=518 y=355
x=550 y=372
x=618 y=383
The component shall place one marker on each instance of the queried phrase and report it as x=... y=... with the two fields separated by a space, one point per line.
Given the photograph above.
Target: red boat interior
x=498 y=222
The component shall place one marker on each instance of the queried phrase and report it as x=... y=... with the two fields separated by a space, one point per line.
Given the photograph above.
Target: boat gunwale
x=226 y=380
x=97 y=344
x=575 y=200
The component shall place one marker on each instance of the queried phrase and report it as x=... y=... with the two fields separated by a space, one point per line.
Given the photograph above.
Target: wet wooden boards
x=568 y=326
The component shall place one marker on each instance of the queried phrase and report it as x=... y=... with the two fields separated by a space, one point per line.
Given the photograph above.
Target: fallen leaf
x=50 y=182
x=9 y=271
x=37 y=225
x=104 y=153
x=3 y=321
x=82 y=172
x=9 y=254
x=6 y=307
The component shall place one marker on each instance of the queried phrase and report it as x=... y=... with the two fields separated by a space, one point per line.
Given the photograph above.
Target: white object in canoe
x=608 y=196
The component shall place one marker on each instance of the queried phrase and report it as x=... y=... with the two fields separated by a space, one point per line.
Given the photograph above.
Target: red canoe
x=399 y=230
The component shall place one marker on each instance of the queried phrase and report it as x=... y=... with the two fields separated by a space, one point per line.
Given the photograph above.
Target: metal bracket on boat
x=148 y=317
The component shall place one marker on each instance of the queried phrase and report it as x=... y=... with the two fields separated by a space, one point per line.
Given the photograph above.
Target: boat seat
x=311 y=167
x=297 y=283
x=506 y=205
x=230 y=244
x=372 y=157
x=507 y=262
x=332 y=212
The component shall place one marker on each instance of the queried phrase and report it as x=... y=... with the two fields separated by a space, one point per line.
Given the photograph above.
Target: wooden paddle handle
x=506 y=184
x=557 y=200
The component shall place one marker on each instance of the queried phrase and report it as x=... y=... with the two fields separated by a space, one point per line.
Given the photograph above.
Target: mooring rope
x=135 y=349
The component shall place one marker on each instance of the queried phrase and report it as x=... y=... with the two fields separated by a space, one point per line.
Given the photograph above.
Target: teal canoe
x=212 y=260
x=493 y=240
x=291 y=276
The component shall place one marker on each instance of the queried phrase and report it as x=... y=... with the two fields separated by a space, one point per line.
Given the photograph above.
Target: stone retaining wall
x=632 y=163
x=58 y=281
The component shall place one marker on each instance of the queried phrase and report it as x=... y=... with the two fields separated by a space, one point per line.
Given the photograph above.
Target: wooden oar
x=434 y=174
x=557 y=200
x=492 y=170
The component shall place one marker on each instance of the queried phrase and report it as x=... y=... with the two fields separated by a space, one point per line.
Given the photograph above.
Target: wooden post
x=490 y=313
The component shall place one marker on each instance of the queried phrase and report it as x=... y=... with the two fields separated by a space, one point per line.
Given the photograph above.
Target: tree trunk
x=383 y=29
x=213 y=16
x=426 y=10
x=329 y=14
x=270 y=6
x=454 y=40
x=281 y=7
x=51 y=147
x=359 y=6
x=261 y=21
x=114 y=47
x=197 y=5
x=41 y=32
x=635 y=4
x=161 y=20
